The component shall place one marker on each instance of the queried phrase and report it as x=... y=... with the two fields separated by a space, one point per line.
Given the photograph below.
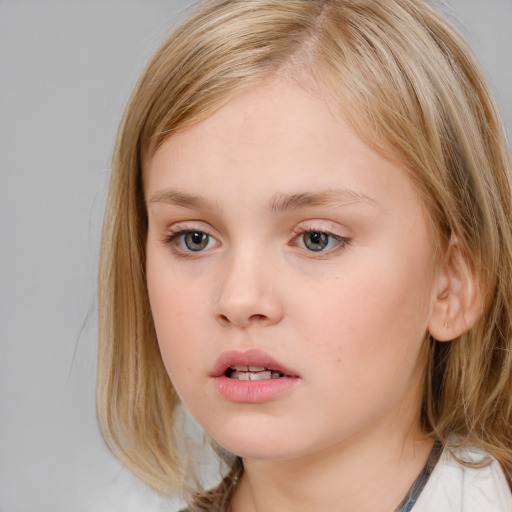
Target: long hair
x=411 y=88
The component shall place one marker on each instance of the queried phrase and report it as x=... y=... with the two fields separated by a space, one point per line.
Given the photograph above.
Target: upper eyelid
x=311 y=229
x=187 y=226
x=309 y=226
x=175 y=233
x=336 y=236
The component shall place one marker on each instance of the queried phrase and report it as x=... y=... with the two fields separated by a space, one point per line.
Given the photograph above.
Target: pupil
x=196 y=240
x=316 y=240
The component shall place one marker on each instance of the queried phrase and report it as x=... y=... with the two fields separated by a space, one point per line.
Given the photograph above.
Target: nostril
x=257 y=318
x=223 y=319
x=252 y=319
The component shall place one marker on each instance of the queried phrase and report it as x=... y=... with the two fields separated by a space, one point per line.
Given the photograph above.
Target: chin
x=258 y=443
x=253 y=433
x=260 y=451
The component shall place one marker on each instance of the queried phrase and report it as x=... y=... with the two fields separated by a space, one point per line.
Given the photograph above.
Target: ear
x=458 y=298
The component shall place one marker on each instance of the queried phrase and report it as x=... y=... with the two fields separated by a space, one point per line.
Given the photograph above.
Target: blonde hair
x=415 y=93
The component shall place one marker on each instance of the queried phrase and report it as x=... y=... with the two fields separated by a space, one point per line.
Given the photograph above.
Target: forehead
x=276 y=127
x=276 y=139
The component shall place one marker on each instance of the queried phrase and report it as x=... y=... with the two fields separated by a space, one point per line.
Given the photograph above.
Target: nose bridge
x=247 y=292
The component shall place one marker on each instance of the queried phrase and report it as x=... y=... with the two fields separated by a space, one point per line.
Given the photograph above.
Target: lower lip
x=253 y=391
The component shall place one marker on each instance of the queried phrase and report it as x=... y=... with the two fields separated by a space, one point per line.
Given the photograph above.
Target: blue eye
x=316 y=240
x=196 y=240
x=320 y=241
x=187 y=241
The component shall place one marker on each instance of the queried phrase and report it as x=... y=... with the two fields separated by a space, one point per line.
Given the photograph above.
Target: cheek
x=169 y=317
x=175 y=316
x=177 y=326
x=365 y=340
x=373 y=316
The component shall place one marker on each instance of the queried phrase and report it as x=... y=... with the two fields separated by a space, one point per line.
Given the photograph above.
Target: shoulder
x=454 y=487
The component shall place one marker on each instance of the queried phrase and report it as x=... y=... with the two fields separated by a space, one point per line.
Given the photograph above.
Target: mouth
x=243 y=372
x=250 y=365
x=252 y=377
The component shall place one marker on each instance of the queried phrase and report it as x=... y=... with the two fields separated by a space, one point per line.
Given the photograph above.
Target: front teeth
x=253 y=373
x=243 y=368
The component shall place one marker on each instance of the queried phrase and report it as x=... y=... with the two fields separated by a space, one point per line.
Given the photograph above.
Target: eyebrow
x=279 y=203
x=182 y=199
x=330 y=197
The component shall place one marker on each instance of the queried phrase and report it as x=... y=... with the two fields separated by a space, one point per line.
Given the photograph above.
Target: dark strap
x=414 y=492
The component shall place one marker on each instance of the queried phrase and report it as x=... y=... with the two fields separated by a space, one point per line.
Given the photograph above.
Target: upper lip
x=253 y=357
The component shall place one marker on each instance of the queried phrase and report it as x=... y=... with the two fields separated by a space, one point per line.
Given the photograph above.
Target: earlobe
x=458 y=298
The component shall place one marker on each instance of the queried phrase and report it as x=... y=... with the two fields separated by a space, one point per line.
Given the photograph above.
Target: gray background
x=66 y=70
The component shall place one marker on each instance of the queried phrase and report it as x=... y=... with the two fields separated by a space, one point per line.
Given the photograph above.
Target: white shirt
x=453 y=487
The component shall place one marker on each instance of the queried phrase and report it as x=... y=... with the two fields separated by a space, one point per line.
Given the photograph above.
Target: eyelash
x=171 y=239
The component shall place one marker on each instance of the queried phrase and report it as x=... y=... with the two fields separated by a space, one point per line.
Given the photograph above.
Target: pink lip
x=252 y=391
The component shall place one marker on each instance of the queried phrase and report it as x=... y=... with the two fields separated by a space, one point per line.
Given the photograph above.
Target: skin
x=350 y=320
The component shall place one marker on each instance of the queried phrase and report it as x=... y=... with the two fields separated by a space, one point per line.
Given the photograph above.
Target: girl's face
x=291 y=277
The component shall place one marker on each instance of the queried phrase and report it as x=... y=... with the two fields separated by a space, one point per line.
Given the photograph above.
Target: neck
x=372 y=473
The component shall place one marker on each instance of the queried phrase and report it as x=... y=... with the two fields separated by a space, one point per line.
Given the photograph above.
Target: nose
x=248 y=293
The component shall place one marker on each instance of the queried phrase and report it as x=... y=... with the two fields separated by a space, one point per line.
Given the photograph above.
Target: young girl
x=308 y=243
